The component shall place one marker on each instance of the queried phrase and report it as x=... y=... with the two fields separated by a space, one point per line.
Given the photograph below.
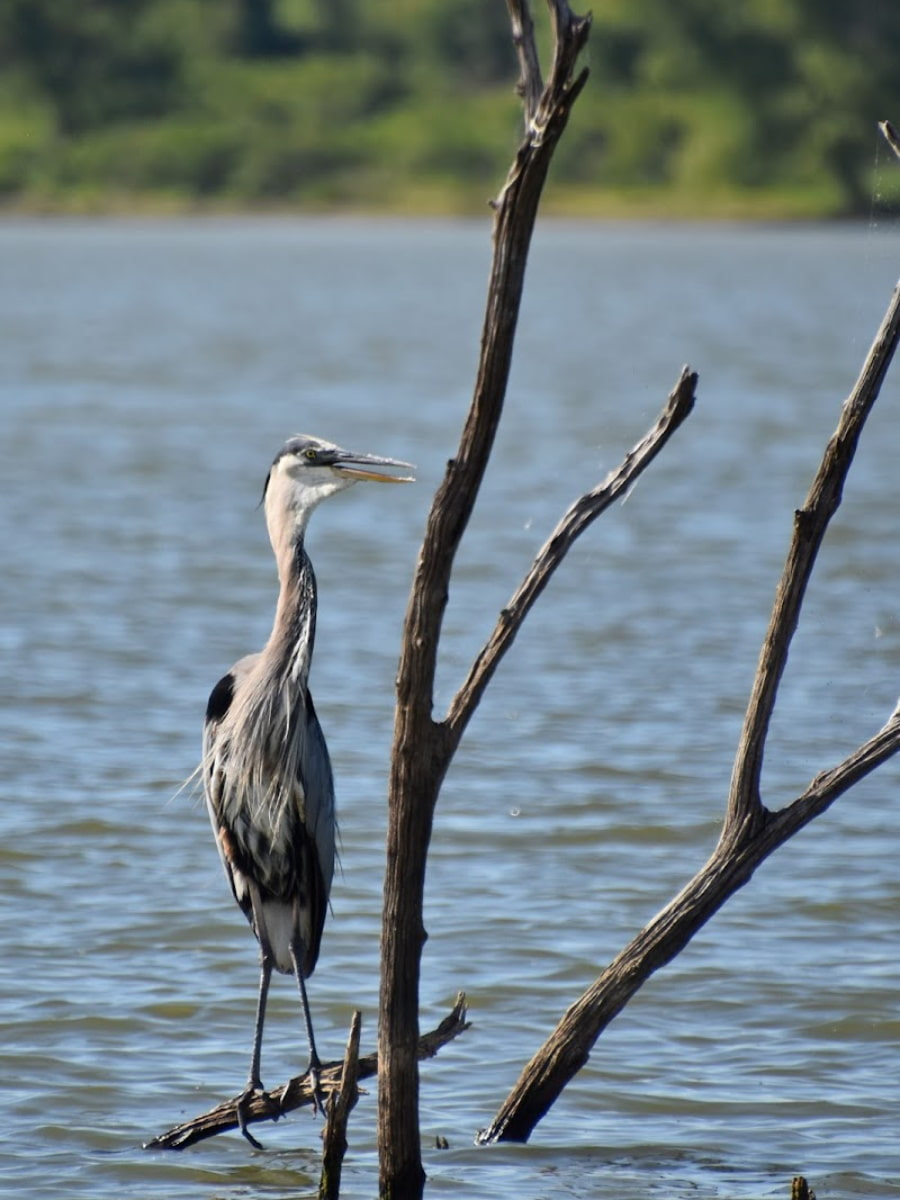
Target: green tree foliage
x=471 y=41
x=258 y=33
x=95 y=62
x=768 y=94
x=764 y=107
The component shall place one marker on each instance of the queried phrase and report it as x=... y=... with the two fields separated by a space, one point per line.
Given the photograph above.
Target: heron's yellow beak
x=377 y=476
x=360 y=466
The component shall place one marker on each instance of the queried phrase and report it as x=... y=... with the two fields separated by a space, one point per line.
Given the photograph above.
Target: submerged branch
x=269 y=1106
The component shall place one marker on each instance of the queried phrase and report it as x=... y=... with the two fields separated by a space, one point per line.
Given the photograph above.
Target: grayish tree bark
x=750 y=832
x=423 y=746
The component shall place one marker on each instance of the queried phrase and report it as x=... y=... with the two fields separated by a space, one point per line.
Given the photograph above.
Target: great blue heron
x=266 y=771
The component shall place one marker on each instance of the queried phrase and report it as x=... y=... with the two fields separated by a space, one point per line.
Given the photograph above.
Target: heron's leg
x=297 y=955
x=254 y=1082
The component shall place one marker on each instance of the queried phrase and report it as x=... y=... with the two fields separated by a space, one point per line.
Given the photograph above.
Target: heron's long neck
x=293 y=633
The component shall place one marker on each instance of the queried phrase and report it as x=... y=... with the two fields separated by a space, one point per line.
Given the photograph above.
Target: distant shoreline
x=559 y=203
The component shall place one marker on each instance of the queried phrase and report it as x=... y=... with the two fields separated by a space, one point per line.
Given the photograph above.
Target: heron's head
x=306 y=470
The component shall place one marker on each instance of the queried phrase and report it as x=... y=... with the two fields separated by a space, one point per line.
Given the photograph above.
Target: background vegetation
x=766 y=108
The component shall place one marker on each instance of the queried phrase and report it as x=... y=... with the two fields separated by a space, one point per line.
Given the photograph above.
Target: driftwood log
x=296 y=1092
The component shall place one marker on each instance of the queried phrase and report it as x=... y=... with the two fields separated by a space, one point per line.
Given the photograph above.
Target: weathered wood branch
x=530 y=83
x=297 y=1092
x=421 y=749
x=579 y=516
x=810 y=525
x=892 y=137
x=750 y=833
x=731 y=866
x=337 y=1112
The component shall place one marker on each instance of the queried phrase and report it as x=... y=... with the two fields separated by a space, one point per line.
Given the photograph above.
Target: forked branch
x=422 y=748
x=810 y=525
x=750 y=832
x=569 y=1046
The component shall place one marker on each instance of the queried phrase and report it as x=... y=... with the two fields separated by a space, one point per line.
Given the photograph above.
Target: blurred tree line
x=767 y=107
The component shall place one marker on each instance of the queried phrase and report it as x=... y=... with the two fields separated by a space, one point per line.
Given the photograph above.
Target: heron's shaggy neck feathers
x=288 y=652
x=264 y=730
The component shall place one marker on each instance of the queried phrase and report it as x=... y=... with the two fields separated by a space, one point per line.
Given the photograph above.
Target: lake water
x=149 y=373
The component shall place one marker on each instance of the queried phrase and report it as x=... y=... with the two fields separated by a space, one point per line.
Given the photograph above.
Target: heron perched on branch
x=266 y=771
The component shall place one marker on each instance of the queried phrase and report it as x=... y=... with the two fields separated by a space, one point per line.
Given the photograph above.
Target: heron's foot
x=254 y=1088
x=312 y=1074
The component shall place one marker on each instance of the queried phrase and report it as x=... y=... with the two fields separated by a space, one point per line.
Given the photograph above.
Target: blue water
x=149 y=373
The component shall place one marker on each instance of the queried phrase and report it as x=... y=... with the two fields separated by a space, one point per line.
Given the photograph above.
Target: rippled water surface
x=149 y=372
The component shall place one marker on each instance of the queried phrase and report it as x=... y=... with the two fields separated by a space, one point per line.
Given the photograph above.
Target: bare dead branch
x=579 y=516
x=297 y=1092
x=340 y=1104
x=810 y=525
x=731 y=866
x=892 y=137
x=567 y=28
x=530 y=84
x=421 y=749
x=830 y=785
x=750 y=833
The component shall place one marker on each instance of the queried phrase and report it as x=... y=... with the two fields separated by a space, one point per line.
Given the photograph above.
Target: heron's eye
x=311 y=454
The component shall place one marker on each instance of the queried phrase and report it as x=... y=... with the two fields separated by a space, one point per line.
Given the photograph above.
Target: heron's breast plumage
x=270 y=796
